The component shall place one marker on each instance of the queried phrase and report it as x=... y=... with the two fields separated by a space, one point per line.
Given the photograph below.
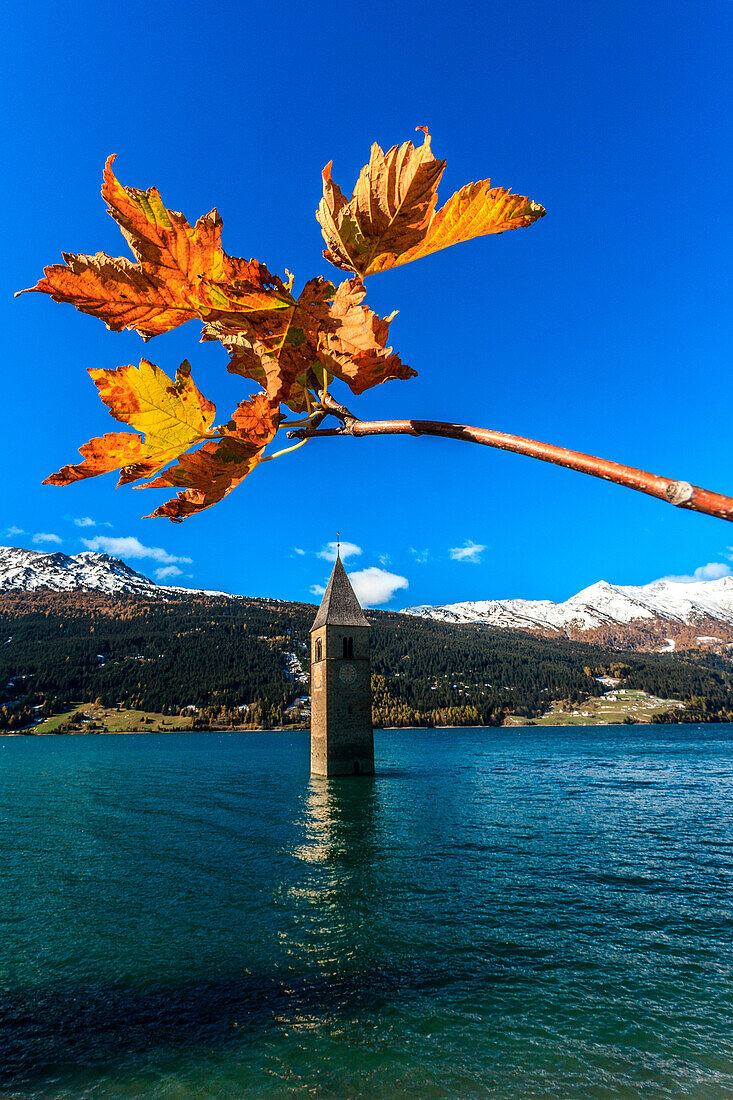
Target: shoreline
x=137 y=733
x=377 y=729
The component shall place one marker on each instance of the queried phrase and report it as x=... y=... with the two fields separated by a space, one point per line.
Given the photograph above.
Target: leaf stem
x=287 y=450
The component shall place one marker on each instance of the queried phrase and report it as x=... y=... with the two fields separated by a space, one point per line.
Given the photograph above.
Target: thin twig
x=680 y=493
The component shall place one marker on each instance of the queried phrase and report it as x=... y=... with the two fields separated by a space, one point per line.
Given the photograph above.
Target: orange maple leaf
x=278 y=349
x=113 y=451
x=391 y=217
x=182 y=271
x=326 y=329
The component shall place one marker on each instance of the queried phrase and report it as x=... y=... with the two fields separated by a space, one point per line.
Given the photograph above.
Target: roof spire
x=338 y=544
x=339 y=606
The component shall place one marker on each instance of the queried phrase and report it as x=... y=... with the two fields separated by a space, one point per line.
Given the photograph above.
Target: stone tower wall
x=342 y=741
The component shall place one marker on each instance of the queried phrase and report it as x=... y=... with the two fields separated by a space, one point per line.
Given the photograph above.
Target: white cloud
x=87 y=521
x=168 y=571
x=384 y=559
x=130 y=547
x=317 y=589
x=348 y=550
x=297 y=550
x=11 y=531
x=375 y=586
x=470 y=551
x=42 y=537
x=713 y=571
x=420 y=556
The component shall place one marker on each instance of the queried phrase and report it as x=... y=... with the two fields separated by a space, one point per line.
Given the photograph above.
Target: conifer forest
x=245 y=662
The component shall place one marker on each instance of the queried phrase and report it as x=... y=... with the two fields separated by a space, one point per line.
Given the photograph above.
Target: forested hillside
x=237 y=660
x=213 y=653
x=428 y=672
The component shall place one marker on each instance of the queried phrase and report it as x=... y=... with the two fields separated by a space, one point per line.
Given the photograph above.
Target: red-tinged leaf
x=255 y=420
x=216 y=467
x=279 y=348
x=119 y=292
x=356 y=351
x=105 y=453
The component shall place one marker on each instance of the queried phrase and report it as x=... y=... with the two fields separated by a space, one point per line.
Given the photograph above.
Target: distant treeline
x=229 y=659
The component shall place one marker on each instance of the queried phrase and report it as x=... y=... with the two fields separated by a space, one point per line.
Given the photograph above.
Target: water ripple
x=544 y=914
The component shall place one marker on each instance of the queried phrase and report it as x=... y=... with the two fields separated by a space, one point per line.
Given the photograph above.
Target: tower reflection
x=341 y=822
x=336 y=900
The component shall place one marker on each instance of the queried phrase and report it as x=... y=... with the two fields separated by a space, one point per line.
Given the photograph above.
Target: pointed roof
x=339 y=606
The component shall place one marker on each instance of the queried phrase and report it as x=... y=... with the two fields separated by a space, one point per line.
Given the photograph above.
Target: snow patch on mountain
x=32 y=570
x=598 y=605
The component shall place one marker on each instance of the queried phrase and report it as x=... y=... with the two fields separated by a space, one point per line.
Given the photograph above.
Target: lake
x=525 y=913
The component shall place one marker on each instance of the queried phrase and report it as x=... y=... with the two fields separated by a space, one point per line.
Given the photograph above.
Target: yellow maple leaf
x=210 y=473
x=172 y=415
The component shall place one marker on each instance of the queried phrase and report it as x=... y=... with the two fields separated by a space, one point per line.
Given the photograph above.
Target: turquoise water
x=542 y=913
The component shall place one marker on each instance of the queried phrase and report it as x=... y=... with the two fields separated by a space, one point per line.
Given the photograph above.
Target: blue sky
x=606 y=327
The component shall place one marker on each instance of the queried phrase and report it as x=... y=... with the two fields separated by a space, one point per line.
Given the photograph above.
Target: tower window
x=319 y=649
x=348 y=647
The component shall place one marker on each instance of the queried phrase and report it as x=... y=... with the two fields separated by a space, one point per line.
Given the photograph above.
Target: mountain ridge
x=89 y=571
x=663 y=607
x=662 y=615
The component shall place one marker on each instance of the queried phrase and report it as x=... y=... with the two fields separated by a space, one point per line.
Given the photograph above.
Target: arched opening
x=319 y=649
x=356 y=767
x=348 y=647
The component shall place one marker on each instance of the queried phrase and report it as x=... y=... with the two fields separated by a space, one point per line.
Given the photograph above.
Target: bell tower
x=342 y=741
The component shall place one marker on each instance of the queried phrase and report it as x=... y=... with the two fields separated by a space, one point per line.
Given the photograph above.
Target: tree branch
x=680 y=493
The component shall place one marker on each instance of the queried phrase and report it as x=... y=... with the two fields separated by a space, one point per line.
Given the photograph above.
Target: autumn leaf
x=182 y=272
x=475 y=211
x=255 y=420
x=162 y=238
x=357 y=351
x=118 y=291
x=278 y=349
x=328 y=330
x=289 y=346
x=104 y=453
x=391 y=217
x=210 y=473
x=172 y=415
x=389 y=210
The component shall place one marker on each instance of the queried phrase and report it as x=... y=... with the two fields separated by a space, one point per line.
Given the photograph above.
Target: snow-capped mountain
x=31 y=570
x=601 y=605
